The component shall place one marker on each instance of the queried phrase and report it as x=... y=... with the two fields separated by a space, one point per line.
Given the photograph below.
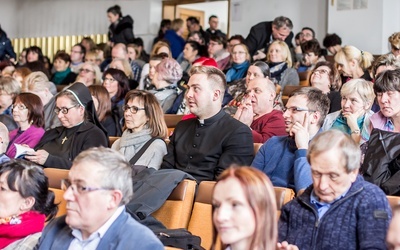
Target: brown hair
x=260 y=195
x=35 y=108
x=103 y=97
x=153 y=111
x=334 y=76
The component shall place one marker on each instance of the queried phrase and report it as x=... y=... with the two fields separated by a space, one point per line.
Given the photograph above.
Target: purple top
x=30 y=137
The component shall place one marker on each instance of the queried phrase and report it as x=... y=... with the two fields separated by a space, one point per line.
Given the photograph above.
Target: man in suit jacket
x=98 y=187
x=262 y=34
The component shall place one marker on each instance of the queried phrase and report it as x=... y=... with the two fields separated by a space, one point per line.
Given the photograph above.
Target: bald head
x=119 y=51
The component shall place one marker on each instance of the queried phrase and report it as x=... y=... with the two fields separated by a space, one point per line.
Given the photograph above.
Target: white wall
x=220 y=9
x=367 y=29
x=311 y=13
x=7 y=19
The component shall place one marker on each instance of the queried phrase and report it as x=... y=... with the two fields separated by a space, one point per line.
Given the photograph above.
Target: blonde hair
x=287 y=57
x=157 y=46
x=245 y=49
x=97 y=72
x=349 y=53
x=394 y=40
x=127 y=67
x=362 y=87
x=37 y=81
x=177 y=24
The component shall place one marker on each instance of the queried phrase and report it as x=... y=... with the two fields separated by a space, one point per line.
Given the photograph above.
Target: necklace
x=12 y=220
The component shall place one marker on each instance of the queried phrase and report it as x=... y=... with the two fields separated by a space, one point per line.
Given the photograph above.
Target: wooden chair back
x=176 y=211
x=59 y=199
x=55 y=175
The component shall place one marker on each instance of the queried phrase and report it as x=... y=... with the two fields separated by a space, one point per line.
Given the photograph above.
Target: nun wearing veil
x=80 y=130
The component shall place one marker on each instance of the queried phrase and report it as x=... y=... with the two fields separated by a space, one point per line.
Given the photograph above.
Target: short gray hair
x=116 y=170
x=282 y=21
x=350 y=152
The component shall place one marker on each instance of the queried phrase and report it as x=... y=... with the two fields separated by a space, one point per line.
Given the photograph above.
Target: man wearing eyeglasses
x=283 y=158
x=77 y=57
x=98 y=187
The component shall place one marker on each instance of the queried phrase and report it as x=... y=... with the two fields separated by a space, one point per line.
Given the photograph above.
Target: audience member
x=26 y=201
x=384 y=62
x=354 y=63
x=244 y=199
x=20 y=74
x=121 y=27
x=4 y=141
x=174 y=37
x=9 y=89
x=63 y=74
x=338 y=195
x=22 y=57
x=123 y=65
x=164 y=26
x=217 y=51
x=79 y=131
x=77 y=57
x=96 y=215
x=394 y=41
x=33 y=54
x=193 y=24
x=27 y=110
x=353 y=119
x=119 y=51
x=311 y=55
x=280 y=64
x=283 y=158
x=213 y=29
x=192 y=51
x=306 y=34
x=205 y=146
x=89 y=74
x=38 y=84
x=88 y=43
x=134 y=54
x=326 y=78
x=168 y=73
x=233 y=40
x=116 y=83
x=142 y=52
x=257 y=111
x=263 y=34
x=102 y=103
x=145 y=130
x=6 y=48
x=240 y=63
x=333 y=43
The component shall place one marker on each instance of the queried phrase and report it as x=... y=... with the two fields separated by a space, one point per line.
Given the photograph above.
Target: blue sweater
x=284 y=164
x=359 y=220
x=176 y=42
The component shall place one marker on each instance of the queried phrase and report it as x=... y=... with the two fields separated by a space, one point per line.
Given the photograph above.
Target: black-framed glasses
x=78 y=189
x=297 y=109
x=64 y=110
x=132 y=109
x=18 y=107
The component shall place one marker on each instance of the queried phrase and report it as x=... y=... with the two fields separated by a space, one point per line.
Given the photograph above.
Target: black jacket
x=123 y=32
x=87 y=136
x=260 y=35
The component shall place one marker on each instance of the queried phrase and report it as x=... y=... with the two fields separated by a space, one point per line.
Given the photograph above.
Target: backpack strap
x=136 y=157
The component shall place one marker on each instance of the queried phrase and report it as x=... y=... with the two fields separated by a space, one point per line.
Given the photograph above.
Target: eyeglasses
x=64 y=110
x=79 y=189
x=305 y=35
x=296 y=109
x=133 y=109
x=109 y=80
x=18 y=107
x=238 y=53
x=86 y=70
x=321 y=71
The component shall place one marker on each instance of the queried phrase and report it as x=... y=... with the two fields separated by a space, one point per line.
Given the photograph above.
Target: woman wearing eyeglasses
x=144 y=121
x=89 y=74
x=354 y=117
x=59 y=146
x=63 y=74
x=326 y=78
x=27 y=111
x=240 y=63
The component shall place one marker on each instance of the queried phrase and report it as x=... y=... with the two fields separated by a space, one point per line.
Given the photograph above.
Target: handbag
x=382 y=161
x=179 y=238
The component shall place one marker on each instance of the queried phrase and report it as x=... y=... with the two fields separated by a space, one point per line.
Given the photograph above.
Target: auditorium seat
x=55 y=175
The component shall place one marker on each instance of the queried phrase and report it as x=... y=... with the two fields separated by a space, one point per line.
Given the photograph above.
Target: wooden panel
x=185 y=13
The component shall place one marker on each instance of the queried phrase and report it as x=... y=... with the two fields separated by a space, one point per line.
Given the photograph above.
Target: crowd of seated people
x=229 y=89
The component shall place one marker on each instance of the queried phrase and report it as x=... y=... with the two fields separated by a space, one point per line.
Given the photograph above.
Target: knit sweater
x=359 y=220
x=268 y=125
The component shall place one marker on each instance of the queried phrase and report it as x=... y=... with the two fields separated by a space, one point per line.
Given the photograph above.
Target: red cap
x=205 y=61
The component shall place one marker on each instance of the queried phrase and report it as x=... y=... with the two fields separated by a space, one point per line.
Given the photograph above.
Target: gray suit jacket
x=124 y=233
